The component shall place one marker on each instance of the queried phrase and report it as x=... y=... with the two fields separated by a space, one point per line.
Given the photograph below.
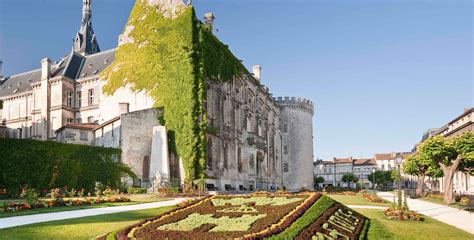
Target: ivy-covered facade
x=223 y=127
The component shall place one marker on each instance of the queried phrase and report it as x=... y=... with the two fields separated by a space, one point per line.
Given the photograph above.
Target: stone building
x=256 y=141
x=332 y=171
x=463 y=183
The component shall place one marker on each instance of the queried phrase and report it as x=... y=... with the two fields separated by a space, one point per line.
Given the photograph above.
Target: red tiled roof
x=343 y=160
x=384 y=156
x=367 y=161
x=390 y=156
x=81 y=126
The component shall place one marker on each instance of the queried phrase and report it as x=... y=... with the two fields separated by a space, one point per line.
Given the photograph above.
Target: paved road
x=452 y=216
x=46 y=217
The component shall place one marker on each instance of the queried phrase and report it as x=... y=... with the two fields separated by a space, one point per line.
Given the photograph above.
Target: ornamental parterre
x=255 y=216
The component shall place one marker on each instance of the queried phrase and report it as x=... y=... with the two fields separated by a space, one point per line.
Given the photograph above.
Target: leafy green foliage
x=418 y=166
x=170 y=59
x=223 y=224
x=318 y=180
x=382 y=178
x=313 y=213
x=349 y=178
x=45 y=165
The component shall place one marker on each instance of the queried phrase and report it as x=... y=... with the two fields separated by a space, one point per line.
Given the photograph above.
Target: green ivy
x=46 y=164
x=170 y=59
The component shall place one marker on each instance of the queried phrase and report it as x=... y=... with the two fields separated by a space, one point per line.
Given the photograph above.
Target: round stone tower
x=296 y=121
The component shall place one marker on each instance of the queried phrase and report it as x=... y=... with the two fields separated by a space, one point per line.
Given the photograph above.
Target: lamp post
x=398 y=160
x=373 y=179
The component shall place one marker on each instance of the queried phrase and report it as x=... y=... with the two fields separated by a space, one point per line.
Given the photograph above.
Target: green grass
x=309 y=216
x=80 y=228
x=384 y=228
x=135 y=199
x=356 y=200
x=440 y=201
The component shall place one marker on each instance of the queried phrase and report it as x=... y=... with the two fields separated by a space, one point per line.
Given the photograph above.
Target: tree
x=450 y=155
x=349 y=178
x=416 y=165
x=382 y=178
x=318 y=180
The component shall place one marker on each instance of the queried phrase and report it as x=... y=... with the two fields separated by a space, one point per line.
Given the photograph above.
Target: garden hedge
x=45 y=164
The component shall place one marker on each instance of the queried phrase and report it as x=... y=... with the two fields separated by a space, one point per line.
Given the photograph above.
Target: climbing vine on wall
x=170 y=58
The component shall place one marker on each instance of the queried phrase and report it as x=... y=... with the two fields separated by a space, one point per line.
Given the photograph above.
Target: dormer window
x=19 y=83
x=16 y=90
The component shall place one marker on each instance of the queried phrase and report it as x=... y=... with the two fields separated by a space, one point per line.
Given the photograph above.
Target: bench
x=242 y=188
x=211 y=187
x=229 y=187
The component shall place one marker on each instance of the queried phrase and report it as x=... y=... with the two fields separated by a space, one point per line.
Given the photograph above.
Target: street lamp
x=373 y=179
x=398 y=160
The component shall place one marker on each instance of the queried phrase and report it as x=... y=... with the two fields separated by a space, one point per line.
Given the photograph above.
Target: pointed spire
x=85 y=41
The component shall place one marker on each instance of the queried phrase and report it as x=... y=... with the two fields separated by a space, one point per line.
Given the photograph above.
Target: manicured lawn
x=80 y=228
x=383 y=228
x=440 y=201
x=135 y=199
x=356 y=200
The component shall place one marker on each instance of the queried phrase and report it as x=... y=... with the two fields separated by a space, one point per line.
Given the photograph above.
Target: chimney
x=209 y=19
x=45 y=68
x=124 y=108
x=256 y=71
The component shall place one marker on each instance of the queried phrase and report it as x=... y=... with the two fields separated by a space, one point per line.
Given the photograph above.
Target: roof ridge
x=96 y=54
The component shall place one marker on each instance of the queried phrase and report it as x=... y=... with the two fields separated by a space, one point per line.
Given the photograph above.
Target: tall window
x=79 y=99
x=69 y=99
x=90 y=119
x=21 y=110
x=252 y=161
x=285 y=167
x=239 y=159
x=225 y=156
x=91 y=96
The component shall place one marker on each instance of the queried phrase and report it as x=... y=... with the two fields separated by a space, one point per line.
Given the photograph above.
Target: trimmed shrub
x=135 y=190
x=48 y=165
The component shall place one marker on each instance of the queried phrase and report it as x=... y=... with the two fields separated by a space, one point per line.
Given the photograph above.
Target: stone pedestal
x=159 y=154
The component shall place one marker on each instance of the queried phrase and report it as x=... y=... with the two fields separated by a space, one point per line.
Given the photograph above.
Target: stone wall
x=136 y=132
x=76 y=136
x=244 y=138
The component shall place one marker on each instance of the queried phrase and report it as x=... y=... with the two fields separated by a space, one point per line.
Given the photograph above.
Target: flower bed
x=372 y=198
x=255 y=216
x=402 y=215
x=58 y=202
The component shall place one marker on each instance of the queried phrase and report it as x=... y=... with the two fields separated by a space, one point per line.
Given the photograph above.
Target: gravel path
x=46 y=217
x=452 y=216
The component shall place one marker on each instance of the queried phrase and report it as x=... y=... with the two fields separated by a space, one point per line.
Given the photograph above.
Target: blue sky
x=380 y=72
